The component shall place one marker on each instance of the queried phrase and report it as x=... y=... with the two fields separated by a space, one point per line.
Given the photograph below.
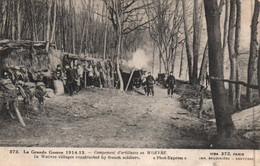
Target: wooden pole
x=129 y=80
x=85 y=79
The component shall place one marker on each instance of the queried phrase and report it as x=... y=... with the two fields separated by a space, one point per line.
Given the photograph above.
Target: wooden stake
x=129 y=80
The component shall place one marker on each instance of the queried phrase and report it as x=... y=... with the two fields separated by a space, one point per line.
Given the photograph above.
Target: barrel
x=58 y=86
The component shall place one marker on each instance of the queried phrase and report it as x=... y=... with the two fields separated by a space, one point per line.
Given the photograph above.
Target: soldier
x=58 y=73
x=69 y=80
x=65 y=78
x=91 y=75
x=170 y=82
x=80 y=71
x=39 y=76
x=149 y=84
x=18 y=74
x=25 y=75
x=75 y=84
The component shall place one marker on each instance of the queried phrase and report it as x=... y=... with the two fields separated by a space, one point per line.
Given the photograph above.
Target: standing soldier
x=91 y=75
x=75 y=84
x=80 y=75
x=58 y=73
x=69 y=80
x=170 y=82
x=149 y=84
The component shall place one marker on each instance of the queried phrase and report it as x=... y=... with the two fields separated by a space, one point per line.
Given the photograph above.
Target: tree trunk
x=119 y=42
x=225 y=27
x=237 y=40
x=54 y=21
x=253 y=52
x=4 y=18
x=182 y=51
x=18 y=20
x=105 y=39
x=160 y=61
x=153 y=58
x=224 y=123
x=258 y=71
x=232 y=55
x=13 y=20
x=196 y=40
x=63 y=25
x=33 y=22
x=188 y=51
x=203 y=68
x=73 y=29
x=82 y=37
x=48 y=25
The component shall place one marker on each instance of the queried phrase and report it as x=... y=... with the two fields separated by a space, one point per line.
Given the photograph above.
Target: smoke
x=140 y=60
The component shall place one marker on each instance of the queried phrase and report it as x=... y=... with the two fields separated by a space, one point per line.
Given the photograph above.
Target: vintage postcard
x=129 y=82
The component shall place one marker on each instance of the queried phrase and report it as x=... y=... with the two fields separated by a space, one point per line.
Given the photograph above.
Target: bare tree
x=197 y=26
x=203 y=68
x=4 y=18
x=18 y=11
x=48 y=24
x=193 y=53
x=237 y=42
x=187 y=39
x=232 y=55
x=165 y=29
x=258 y=70
x=253 y=51
x=124 y=18
x=54 y=21
x=13 y=19
x=225 y=126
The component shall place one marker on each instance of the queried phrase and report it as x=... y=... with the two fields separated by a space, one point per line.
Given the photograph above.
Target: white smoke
x=140 y=59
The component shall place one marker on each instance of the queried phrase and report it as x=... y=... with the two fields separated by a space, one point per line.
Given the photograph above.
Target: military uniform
x=170 y=82
x=149 y=84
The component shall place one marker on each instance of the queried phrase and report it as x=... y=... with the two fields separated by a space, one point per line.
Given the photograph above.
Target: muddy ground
x=106 y=118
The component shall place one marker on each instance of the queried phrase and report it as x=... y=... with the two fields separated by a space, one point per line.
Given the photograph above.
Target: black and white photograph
x=157 y=74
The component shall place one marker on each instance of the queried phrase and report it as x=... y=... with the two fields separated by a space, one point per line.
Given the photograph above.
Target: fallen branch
x=235 y=82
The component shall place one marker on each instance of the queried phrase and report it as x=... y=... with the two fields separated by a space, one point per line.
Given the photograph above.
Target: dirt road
x=107 y=118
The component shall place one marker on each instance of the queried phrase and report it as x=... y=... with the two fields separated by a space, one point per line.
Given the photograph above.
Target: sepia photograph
x=157 y=74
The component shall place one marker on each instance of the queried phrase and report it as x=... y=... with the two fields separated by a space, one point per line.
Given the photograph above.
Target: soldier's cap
x=23 y=67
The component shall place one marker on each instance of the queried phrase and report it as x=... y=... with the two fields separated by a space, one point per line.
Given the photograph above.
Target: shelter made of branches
x=29 y=54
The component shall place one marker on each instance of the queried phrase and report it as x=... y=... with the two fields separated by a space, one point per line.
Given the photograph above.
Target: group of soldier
x=74 y=79
x=149 y=81
x=21 y=73
x=28 y=83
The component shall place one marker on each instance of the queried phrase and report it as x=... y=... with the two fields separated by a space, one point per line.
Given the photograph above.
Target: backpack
x=10 y=91
x=40 y=90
